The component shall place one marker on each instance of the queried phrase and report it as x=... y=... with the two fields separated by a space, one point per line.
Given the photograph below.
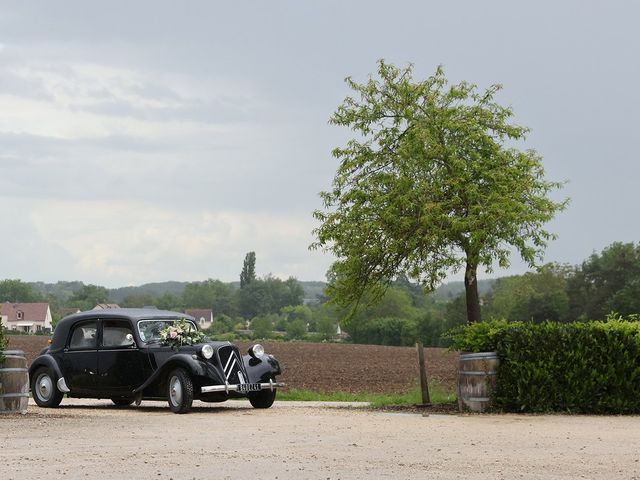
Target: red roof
x=31 y=312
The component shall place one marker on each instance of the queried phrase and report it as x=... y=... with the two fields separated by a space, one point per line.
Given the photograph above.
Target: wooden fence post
x=424 y=386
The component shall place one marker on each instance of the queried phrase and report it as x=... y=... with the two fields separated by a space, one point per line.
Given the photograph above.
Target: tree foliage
x=89 y=296
x=212 y=294
x=535 y=296
x=606 y=282
x=169 y=301
x=268 y=295
x=248 y=273
x=296 y=329
x=17 y=291
x=137 y=300
x=262 y=326
x=429 y=184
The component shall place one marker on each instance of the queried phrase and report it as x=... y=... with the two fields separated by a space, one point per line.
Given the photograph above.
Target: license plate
x=249 y=387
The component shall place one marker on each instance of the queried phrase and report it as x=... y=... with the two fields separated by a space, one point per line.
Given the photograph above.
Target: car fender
x=261 y=369
x=45 y=361
x=192 y=365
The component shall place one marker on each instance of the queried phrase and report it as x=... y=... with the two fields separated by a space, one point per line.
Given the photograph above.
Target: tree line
x=605 y=282
x=263 y=304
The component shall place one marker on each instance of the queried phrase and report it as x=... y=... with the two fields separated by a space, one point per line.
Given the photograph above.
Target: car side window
x=117 y=333
x=84 y=336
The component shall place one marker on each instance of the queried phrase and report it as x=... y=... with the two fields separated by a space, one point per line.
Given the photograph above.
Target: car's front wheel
x=43 y=387
x=262 y=399
x=180 y=391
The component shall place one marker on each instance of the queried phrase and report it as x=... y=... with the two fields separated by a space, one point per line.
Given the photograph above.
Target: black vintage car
x=119 y=354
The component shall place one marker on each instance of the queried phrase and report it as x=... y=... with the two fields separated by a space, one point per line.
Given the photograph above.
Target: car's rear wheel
x=179 y=391
x=44 y=389
x=122 y=401
x=263 y=398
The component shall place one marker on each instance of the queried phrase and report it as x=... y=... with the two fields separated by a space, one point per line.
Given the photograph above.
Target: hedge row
x=590 y=367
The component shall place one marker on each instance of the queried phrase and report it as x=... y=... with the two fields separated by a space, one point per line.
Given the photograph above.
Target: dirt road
x=92 y=439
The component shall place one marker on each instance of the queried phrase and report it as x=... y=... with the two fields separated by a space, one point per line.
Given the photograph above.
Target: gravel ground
x=292 y=440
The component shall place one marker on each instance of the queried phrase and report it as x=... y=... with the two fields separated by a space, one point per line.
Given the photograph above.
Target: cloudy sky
x=154 y=140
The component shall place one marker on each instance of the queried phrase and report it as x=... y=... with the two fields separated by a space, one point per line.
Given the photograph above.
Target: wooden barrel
x=476 y=380
x=14 y=382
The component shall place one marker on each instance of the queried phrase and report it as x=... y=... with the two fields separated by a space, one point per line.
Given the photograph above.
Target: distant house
x=203 y=316
x=26 y=317
x=105 y=306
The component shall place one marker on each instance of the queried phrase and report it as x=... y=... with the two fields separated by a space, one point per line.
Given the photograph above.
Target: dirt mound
x=331 y=367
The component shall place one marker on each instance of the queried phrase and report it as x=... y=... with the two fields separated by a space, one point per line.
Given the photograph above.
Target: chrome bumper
x=62 y=385
x=241 y=387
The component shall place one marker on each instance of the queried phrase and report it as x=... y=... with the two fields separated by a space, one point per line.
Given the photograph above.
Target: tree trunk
x=471 y=290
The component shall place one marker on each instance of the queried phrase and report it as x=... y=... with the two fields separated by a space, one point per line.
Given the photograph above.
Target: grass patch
x=377 y=400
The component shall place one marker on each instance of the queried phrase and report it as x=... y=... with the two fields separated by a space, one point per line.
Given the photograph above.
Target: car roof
x=131 y=313
x=134 y=314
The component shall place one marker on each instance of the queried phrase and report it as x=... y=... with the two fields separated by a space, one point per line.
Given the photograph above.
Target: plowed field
x=332 y=367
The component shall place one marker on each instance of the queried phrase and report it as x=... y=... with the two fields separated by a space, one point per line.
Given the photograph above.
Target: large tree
x=432 y=182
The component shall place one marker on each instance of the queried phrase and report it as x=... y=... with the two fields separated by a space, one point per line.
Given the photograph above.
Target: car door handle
x=90 y=372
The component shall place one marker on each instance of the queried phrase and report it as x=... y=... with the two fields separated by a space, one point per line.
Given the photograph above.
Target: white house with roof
x=25 y=317
x=203 y=316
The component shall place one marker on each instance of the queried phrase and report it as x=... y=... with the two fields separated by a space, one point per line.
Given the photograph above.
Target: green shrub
x=314 y=337
x=384 y=331
x=477 y=337
x=224 y=337
x=3 y=341
x=296 y=329
x=262 y=326
x=588 y=367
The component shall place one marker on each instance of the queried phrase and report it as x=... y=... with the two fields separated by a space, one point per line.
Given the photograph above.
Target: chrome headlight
x=206 y=351
x=256 y=351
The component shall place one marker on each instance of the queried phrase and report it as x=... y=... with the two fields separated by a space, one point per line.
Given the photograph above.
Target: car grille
x=231 y=363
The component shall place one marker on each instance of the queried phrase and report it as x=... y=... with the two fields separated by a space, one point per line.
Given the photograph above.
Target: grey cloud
x=12 y=84
x=211 y=112
x=31 y=147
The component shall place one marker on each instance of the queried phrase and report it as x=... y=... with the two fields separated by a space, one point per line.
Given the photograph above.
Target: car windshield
x=149 y=330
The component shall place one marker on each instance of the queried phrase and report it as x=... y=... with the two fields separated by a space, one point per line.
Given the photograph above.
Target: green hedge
x=590 y=367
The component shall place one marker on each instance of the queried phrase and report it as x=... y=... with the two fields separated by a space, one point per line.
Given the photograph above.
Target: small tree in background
x=326 y=327
x=248 y=273
x=296 y=329
x=262 y=326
